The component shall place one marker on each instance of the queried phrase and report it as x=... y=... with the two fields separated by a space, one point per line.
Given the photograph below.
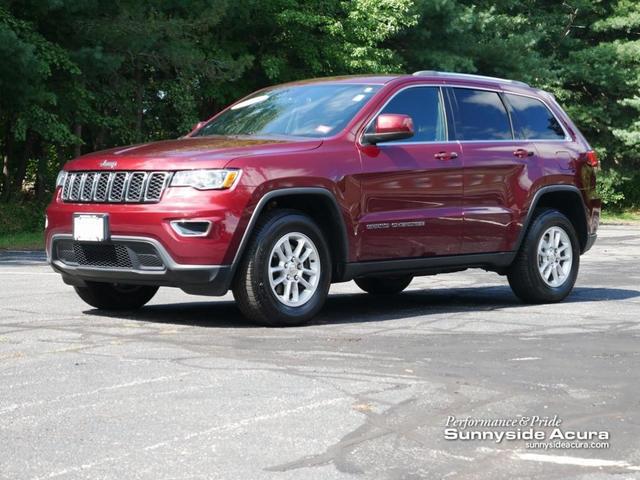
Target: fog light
x=191 y=228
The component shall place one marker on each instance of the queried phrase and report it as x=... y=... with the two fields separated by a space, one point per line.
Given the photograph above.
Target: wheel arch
x=317 y=202
x=568 y=200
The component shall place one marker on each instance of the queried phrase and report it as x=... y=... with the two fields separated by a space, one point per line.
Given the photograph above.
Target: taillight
x=591 y=158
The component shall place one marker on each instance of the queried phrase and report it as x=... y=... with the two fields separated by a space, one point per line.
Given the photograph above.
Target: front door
x=411 y=190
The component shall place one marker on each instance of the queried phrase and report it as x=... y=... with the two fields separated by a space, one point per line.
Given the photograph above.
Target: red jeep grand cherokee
x=371 y=178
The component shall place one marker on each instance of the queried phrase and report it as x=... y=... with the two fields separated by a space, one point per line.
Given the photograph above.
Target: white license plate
x=90 y=228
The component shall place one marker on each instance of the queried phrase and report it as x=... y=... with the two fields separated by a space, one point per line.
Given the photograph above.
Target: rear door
x=498 y=170
x=533 y=120
x=411 y=189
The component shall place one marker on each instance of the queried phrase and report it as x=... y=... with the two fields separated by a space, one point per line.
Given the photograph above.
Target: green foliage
x=601 y=75
x=21 y=217
x=22 y=240
x=609 y=187
x=630 y=135
x=82 y=75
x=631 y=190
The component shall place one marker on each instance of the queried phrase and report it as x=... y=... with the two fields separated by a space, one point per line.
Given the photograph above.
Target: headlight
x=61 y=177
x=205 y=179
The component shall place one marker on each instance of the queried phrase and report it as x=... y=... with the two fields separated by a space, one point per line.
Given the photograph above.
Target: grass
x=21 y=225
x=622 y=216
x=22 y=241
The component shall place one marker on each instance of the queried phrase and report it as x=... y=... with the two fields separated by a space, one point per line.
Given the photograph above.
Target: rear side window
x=424 y=107
x=479 y=115
x=532 y=120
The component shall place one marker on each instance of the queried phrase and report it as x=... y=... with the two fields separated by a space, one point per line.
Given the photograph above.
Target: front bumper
x=133 y=260
x=223 y=210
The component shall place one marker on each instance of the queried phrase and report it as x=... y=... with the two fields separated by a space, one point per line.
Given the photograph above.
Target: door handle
x=521 y=153
x=445 y=155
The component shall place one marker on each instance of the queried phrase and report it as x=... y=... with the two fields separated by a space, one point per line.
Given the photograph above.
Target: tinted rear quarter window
x=424 y=107
x=532 y=120
x=479 y=115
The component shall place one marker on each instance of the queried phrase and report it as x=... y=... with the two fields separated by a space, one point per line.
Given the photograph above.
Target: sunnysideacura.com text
x=537 y=432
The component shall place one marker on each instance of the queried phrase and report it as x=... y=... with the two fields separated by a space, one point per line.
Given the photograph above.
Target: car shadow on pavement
x=356 y=308
x=361 y=307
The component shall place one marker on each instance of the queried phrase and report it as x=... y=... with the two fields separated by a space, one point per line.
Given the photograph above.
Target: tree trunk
x=41 y=180
x=22 y=160
x=4 y=193
x=98 y=142
x=5 y=177
x=6 y=161
x=41 y=173
x=139 y=104
x=77 y=148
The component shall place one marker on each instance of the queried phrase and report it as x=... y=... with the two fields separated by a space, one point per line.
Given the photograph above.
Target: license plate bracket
x=90 y=227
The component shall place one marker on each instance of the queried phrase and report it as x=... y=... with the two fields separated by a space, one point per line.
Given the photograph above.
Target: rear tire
x=546 y=266
x=384 y=285
x=110 y=296
x=276 y=285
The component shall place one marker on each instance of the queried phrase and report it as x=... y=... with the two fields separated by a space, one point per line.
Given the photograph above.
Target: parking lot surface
x=186 y=389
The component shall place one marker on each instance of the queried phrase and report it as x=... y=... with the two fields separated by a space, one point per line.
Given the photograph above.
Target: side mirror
x=388 y=127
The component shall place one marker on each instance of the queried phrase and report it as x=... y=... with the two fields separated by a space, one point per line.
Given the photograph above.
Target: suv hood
x=188 y=153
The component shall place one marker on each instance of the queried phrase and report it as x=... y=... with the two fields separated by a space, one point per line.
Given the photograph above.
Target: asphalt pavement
x=186 y=389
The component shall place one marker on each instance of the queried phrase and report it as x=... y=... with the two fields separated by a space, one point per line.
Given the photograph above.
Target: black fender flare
x=273 y=194
x=534 y=204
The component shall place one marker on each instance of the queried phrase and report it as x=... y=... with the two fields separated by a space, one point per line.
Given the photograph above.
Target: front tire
x=111 y=296
x=546 y=267
x=384 y=285
x=284 y=277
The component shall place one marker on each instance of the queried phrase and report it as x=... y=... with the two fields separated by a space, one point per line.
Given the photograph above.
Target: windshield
x=314 y=110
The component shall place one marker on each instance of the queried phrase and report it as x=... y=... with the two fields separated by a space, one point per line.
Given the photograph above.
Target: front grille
x=155 y=186
x=136 y=184
x=117 y=255
x=75 y=187
x=117 y=187
x=87 y=187
x=114 y=187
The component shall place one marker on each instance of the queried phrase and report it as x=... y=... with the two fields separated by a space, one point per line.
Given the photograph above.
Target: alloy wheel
x=555 y=256
x=294 y=269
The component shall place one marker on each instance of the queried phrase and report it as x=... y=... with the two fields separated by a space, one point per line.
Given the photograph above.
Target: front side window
x=479 y=115
x=424 y=107
x=313 y=110
x=532 y=120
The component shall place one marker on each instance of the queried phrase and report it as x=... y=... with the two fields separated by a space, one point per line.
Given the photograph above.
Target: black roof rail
x=471 y=76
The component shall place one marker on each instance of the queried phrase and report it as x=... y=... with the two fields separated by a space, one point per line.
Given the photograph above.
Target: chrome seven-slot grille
x=114 y=187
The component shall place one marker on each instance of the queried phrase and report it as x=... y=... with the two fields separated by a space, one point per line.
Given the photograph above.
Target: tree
x=82 y=75
x=622 y=30
x=29 y=105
